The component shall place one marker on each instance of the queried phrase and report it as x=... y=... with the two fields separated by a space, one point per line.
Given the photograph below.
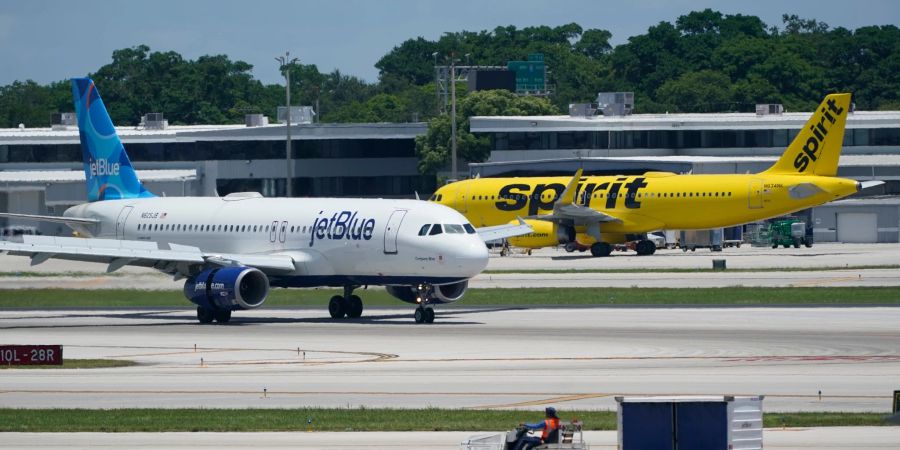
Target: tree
x=702 y=91
x=594 y=43
x=433 y=147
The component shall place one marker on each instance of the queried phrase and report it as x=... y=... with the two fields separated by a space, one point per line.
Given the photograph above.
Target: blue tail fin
x=107 y=169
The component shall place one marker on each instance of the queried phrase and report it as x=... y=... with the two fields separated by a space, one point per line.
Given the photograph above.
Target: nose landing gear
x=424 y=312
x=348 y=305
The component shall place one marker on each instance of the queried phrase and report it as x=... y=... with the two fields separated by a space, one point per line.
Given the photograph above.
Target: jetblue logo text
x=341 y=225
x=103 y=168
x=810 y=151
x=514 y=197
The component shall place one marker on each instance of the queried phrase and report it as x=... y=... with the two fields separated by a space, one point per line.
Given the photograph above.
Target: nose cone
x=473 y=255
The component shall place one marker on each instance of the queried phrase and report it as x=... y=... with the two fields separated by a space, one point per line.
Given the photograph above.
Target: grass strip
x=318 y=298
x=80 y=364
x=361 y=419
x=692 y=270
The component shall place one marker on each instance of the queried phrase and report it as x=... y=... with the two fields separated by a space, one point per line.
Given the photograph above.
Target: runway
x=858 y=438
x=872 y=265
x=470 y=358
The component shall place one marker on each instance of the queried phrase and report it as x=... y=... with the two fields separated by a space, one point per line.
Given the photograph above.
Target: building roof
x=846 y=160
x=192 y=133
x=881 y=200
x=708 y=121
x=56 y=176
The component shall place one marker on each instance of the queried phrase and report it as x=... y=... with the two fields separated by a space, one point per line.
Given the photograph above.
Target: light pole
x=453 y=171
x=285 y=62
x=437 y=86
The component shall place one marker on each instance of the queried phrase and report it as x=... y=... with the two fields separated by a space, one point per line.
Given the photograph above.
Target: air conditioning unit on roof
x=62 y=121
x=766 y=109
x=615 y=103
x=154 y=121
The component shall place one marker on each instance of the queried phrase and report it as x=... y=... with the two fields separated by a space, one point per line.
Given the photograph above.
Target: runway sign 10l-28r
x=31 y=355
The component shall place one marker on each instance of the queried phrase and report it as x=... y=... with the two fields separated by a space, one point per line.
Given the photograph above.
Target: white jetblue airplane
x=232 y=249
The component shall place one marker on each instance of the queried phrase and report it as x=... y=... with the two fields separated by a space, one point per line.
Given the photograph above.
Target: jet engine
x=228 y=288
x=545 y=234
x=445 y=293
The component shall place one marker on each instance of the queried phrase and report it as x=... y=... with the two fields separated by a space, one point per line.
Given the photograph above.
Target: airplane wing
x=566 y=210
x=504 y=231
x=56 y=219
x=575 y=213
x=171 y=258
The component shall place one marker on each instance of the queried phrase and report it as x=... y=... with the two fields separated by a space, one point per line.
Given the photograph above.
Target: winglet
x=568 y=195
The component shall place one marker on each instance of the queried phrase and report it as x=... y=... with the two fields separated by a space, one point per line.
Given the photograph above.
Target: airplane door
x=282 y=233
x=120 y=221
x=463 y=199
x=755 y=194
x=273 y=232
x=391 y=230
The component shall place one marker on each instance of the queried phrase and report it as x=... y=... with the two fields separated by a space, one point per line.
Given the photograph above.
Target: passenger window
x=424 y=230
x=453 y=228
x=435 y=229
x=469 y=228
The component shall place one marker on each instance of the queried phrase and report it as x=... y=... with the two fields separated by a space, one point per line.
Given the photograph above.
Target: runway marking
x=374 y=357
x=311 y=354
x=551 y=396
x=822 y=281
x=748 y=358
x=563 y=399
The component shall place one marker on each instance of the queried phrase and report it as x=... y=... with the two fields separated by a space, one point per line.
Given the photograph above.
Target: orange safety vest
x=550 y=425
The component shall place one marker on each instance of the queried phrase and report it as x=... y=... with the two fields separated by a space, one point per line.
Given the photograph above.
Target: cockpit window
x=435 y=229
x=469 y=228
x=440 y=197
x=453 y=228
x=424 y=230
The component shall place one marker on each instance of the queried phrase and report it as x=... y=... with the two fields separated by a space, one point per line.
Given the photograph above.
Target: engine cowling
x=545 y=234
x=445 y=293
x=228 y=288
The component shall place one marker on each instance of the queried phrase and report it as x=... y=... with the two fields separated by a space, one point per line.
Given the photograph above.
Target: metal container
x=696 y=423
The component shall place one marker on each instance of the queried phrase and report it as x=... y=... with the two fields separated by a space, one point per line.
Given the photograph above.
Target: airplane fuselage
x=648 y=202
x=332 y=241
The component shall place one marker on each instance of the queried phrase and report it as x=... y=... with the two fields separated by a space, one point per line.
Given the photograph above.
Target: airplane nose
x=473 y=255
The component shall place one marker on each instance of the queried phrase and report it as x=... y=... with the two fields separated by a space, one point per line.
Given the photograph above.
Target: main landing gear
x=347 y=305
x=645 y=247
x=207 y=315
x=424 y=312
x=601 y=249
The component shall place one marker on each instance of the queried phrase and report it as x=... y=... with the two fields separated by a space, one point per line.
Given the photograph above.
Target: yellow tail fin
x=817 y=148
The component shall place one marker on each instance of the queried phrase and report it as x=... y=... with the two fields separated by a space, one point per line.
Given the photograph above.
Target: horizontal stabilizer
x=867 y=184
x=54 y=219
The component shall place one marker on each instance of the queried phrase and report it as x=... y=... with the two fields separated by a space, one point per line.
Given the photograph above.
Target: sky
x=51 y=40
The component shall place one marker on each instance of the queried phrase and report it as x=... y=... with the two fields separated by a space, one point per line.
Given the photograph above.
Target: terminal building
x=41 y=169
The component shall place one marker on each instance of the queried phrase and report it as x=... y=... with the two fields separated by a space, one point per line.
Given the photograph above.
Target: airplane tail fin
x=107 y=169
x=817 y=148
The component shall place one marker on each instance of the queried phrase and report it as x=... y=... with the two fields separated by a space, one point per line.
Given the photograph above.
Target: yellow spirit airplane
x=602 y=211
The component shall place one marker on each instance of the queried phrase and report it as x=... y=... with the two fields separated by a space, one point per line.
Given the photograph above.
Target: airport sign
x=31 y=355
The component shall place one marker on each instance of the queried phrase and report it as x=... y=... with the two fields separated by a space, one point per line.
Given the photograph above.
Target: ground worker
x=550 y=425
